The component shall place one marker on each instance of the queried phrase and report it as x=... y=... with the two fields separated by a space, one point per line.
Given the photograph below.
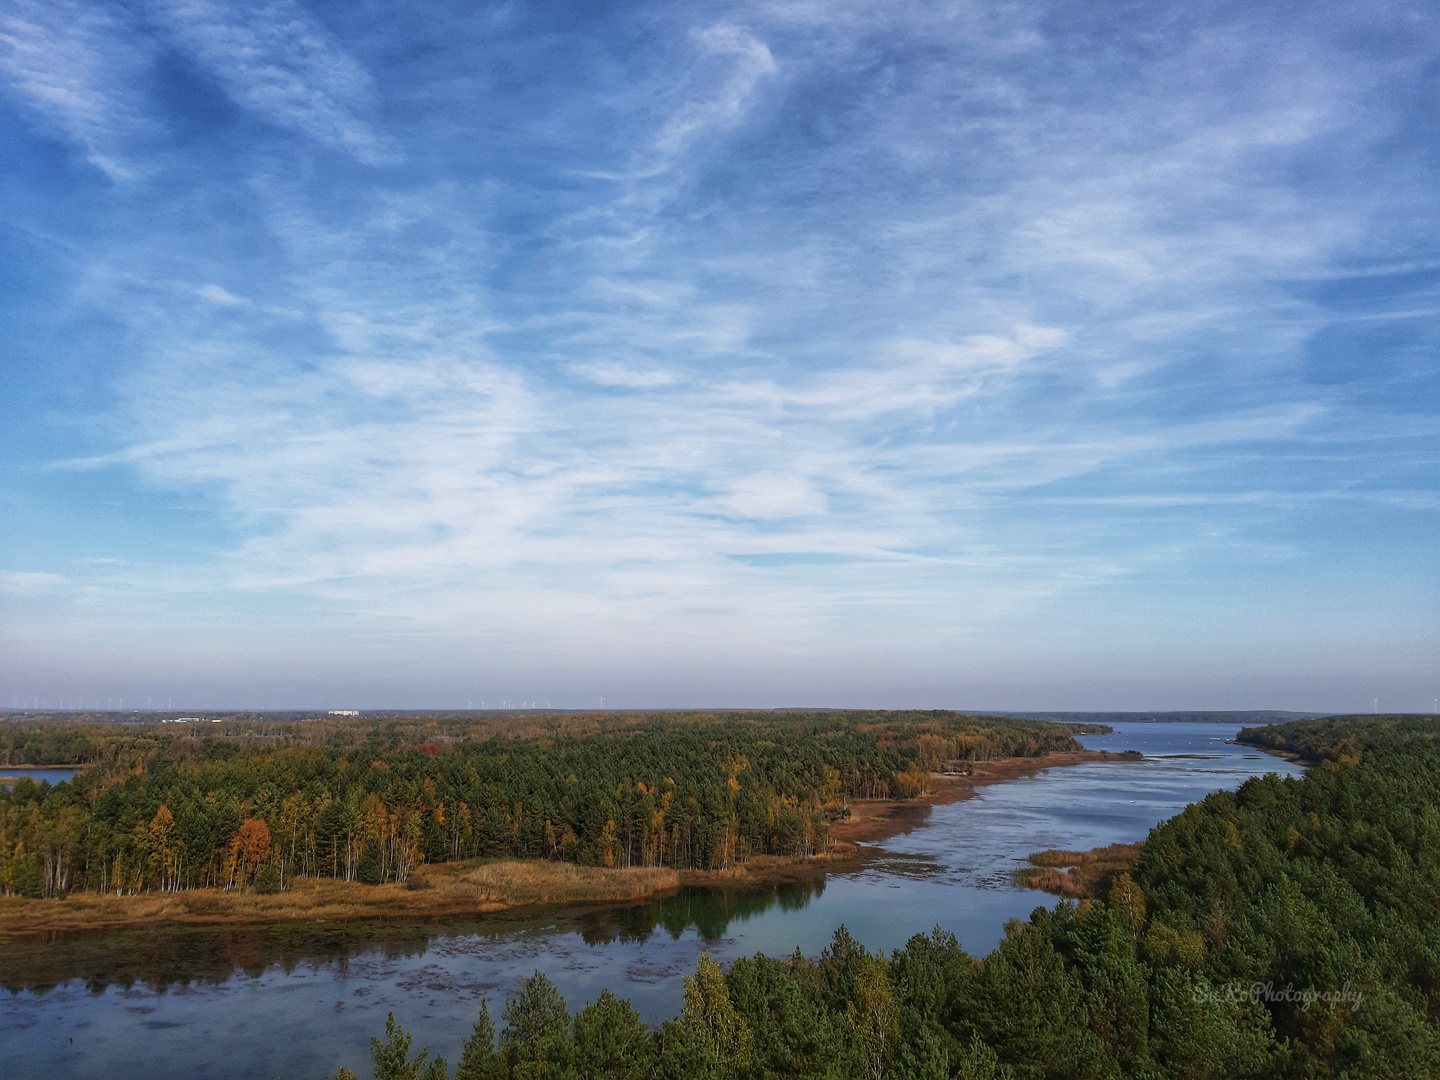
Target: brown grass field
x=466 y=888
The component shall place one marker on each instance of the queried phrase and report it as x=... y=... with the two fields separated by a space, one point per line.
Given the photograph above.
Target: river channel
x=298 y=1002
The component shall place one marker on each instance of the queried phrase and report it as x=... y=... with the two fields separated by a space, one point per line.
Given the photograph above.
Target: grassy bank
x=444 y=889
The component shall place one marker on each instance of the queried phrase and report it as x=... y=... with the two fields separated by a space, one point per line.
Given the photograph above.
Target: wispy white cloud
x=86 y=69
x=76 y=64
x=917 y=311
x=731 y=62
x=276 y=59
x=773 y=496
x=28 y=583
x=218 y=295
x=616 y=374
x=909 y=376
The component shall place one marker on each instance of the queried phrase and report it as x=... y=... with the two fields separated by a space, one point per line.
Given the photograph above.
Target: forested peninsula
x=1290 y=929
x=255 y=807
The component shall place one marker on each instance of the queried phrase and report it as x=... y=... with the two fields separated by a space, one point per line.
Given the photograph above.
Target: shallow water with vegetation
x=299 y=1001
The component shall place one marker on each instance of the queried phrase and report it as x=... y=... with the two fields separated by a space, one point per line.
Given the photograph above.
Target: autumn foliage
x=372 y=801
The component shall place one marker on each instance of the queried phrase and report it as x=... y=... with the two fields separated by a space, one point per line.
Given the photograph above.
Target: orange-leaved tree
x=250 y=851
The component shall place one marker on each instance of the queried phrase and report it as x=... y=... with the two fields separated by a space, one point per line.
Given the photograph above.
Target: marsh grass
x=472 y=887
x=539 y=882
x=1079 y=874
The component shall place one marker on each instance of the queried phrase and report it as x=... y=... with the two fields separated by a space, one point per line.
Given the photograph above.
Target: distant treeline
x=1247 y=716
x=1290 y=929
x=179 y=807
x=1316 y=741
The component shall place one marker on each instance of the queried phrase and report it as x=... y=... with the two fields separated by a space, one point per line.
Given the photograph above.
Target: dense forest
x=252 y=804
x=1290 y=929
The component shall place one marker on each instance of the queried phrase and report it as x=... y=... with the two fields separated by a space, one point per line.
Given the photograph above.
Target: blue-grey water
x=299 y=1002
x=54 y=776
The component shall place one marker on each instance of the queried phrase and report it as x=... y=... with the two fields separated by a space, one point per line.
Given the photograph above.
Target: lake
x=299 y=1002
x=54 y=776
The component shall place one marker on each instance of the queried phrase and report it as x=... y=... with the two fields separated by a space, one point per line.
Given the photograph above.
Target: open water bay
x=298 y=1002
x=43 y=774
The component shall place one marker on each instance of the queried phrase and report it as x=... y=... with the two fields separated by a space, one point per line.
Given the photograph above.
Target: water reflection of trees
x=174 y=956
x=709 y=911
x=177 y=956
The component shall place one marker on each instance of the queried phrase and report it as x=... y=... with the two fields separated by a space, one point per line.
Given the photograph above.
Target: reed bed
x=441 y=889
x=1078 y=874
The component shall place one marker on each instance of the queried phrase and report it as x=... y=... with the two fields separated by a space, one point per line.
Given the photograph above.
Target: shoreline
x=1088 y=875
x=1284 y=755
x=433 y=891
x=874 y=820
x=473 y=887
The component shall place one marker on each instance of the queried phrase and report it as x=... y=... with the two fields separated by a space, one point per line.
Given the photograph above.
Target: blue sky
x=1054 y=355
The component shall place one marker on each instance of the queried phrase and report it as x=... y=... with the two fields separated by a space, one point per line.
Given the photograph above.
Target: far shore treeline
x=256 y=803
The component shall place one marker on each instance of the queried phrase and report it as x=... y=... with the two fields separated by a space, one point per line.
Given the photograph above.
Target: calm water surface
x=299 y=1002
x=54 y=776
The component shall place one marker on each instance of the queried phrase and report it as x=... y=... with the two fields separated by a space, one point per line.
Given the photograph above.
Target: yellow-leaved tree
x=875 y=1016
x=708 y=1009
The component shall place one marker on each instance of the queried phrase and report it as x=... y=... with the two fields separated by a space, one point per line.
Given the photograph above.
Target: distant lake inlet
x=10 y=773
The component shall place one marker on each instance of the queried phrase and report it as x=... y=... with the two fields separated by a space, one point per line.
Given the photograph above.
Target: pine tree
x=392 y=1059
x=536 y=1040
x=477 y=1054
x=611 y=1041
